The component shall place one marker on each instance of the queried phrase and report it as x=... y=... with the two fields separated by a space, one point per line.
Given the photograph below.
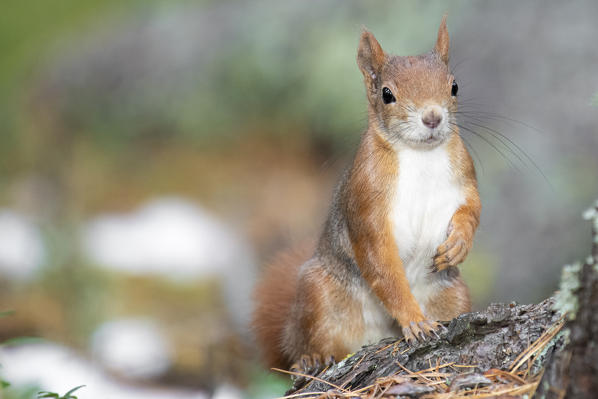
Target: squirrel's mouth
x=425 y=135
x=430 y=139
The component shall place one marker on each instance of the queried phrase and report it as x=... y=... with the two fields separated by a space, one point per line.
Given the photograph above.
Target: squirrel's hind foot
x=309 y=365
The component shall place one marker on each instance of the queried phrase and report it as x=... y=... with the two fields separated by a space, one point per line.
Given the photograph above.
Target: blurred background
x=155 y=154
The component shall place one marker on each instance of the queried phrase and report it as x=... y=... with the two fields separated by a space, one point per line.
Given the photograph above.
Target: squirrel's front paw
x=452 y=251
x=421 y=331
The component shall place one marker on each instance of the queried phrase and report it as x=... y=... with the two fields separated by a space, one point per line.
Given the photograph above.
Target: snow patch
x=21 y=246
x=171 y=237
x=134 y=348
x=174 y=238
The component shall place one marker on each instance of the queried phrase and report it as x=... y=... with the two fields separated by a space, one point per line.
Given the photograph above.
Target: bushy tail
x=274 y=295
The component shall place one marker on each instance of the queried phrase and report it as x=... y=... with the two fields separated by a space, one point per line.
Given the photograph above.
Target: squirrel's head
x=412 y=99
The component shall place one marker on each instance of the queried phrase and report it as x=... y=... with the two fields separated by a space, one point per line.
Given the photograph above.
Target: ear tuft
x=370 y=56
x=442 y=42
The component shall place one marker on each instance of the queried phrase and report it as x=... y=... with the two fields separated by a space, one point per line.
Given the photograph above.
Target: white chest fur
x=426 y=196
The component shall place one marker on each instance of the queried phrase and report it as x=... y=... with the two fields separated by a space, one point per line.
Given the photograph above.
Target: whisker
x=478 y=159
x=500 y=137
x=493 y=115
x=491 y=144
x=507 y=143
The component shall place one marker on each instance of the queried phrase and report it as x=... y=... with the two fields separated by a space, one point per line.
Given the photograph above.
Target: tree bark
x=472 y=344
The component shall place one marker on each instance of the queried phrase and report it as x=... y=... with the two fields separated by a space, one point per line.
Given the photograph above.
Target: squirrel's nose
x=432 y=118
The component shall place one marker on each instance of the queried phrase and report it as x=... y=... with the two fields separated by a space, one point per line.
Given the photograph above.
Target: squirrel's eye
x=454 y=89
x=387 y=96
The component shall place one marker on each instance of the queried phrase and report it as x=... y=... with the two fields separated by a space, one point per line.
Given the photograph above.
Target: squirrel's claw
x=451 y=252
x=421 y=331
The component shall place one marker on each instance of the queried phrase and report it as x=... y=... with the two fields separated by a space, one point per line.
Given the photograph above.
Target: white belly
x=377 y=321
x=426 y=197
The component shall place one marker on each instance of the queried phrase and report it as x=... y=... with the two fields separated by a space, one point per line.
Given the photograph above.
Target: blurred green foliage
x=21 y=392
x=27 y=31
x=30 y=33
x=278 y=75
x=480 y=270
x=266 y=384
x=68 y=395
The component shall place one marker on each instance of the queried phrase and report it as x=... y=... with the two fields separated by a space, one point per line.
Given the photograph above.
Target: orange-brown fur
x=450 y=302
x=276 y=293
x=354 y=288
x=316 y=312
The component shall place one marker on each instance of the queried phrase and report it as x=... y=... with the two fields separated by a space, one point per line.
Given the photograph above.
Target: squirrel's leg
x=451 y=301
x=382 y=268
x=325 y=321
x=460 y=233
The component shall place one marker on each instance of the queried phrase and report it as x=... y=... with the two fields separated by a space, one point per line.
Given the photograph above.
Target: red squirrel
x=403 y=216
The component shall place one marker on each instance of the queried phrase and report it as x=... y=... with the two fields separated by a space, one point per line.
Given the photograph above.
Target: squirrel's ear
x=442 y=43
x=370 y=56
